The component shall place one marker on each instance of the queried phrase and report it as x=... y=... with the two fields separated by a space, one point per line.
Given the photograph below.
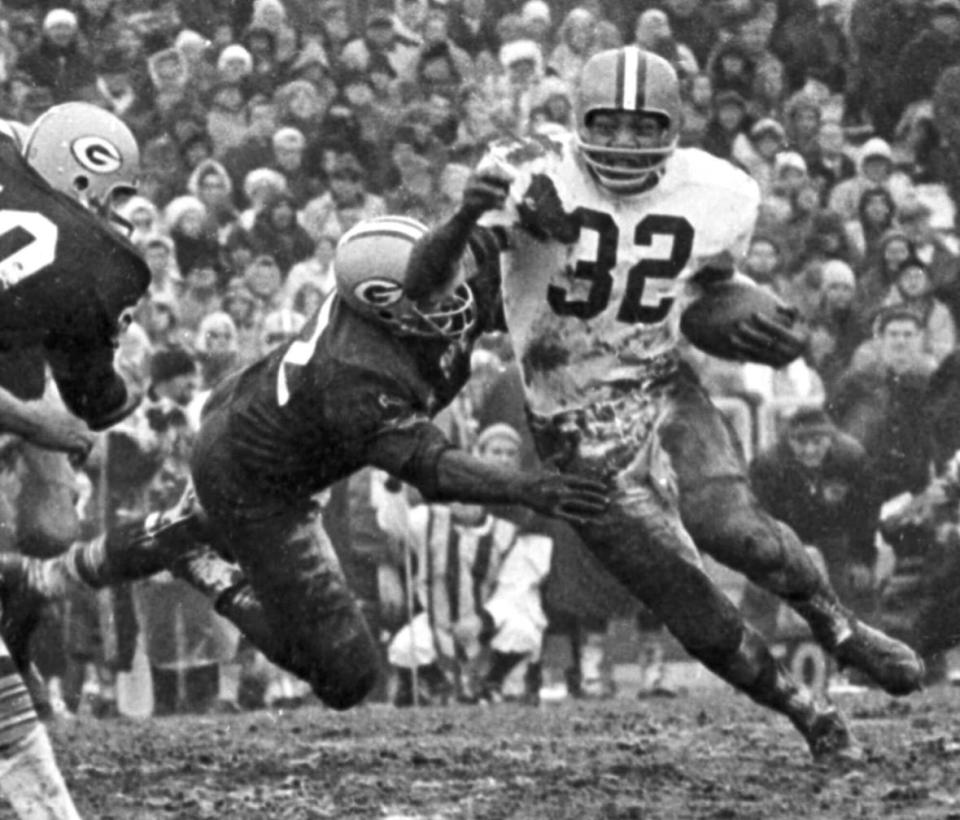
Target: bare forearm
x=15 y=416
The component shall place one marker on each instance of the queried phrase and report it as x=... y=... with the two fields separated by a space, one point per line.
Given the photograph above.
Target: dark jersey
x=65 y=280
x=347 y=393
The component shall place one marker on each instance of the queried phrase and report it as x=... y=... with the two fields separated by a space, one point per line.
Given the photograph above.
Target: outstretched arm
x=435 y=258
x=417 y=452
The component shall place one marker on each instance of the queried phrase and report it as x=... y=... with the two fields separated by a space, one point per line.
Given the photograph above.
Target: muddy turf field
x=711 y=754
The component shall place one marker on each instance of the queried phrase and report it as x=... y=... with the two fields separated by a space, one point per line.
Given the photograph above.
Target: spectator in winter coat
x=874 y=169
x=575 y=45
x=193 y=234
x=816 y=480
x=835 y=327
x=226 y=121
x=256 y=149
x=882 y=406
x=276 y=232
x=876 y=215
x=58 y=62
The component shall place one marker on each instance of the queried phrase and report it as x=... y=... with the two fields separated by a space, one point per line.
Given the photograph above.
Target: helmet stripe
x=397 y=232
x=618 y=87
x=632 y=89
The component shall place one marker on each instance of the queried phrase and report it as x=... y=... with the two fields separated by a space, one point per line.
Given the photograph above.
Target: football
x=711 y=318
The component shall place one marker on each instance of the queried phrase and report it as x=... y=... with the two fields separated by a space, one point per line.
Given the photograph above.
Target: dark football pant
x=298 y=608
x=681 y=488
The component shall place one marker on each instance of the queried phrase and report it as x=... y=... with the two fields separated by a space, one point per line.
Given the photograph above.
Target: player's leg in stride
x=726 y=521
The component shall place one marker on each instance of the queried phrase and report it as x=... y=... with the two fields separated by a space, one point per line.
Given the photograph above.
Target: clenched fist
x=484 y=191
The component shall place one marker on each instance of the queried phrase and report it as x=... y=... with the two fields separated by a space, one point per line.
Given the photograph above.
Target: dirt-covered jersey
x=594 y=283
x=347 y=393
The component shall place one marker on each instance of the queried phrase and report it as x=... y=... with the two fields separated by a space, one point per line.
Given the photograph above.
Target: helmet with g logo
x=369 y=267
x=84 y=151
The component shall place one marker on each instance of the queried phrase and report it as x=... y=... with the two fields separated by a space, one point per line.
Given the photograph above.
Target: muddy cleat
x=831 y=741
x=889 y=662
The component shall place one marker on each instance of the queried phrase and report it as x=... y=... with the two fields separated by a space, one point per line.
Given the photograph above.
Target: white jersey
x=599 y=308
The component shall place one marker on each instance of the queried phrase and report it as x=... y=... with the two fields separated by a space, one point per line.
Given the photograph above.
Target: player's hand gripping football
x=567 y=496
x=484 y=191
x=769 y=341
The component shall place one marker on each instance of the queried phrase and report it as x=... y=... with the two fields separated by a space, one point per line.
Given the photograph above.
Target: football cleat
x=830 y=739
x=889 y=662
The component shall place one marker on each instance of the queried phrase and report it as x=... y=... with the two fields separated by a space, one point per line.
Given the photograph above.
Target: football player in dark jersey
x=66 y=279
x=357 y=388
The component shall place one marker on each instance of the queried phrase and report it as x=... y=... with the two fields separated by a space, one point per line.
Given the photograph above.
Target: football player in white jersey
x=603 y=236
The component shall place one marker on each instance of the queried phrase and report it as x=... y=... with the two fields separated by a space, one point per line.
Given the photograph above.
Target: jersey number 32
x=647 y=297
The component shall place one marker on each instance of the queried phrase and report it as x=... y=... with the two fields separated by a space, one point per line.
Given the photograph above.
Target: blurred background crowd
x=270 y=127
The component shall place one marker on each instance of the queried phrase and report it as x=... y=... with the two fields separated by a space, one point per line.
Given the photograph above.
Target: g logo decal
x=379 y=292
x=97 y=154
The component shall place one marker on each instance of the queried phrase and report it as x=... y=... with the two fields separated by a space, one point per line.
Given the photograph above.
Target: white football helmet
x=369 y=267
x=86 y=152
x=628 y=79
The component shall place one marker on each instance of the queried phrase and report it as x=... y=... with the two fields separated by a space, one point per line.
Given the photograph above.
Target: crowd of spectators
x=269 y=127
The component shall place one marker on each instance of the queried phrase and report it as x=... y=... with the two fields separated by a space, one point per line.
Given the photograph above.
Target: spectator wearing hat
x=302 y=105
x=277 y=232
x=235 y=65
x=881 y=404
x=211 y=184
x=731 y=69
x=226 y=120
x=876 y=280
x=144 y=218
x=380 y=35
x=513 y=92
x=766 y=139
x=816 y=480
x=272 y=16
x=836 y=330
x=874 y=168
x=725 y=135
x=289 y=146
x=913 y=289
x=58 y=61
x=267 y=71
x=117 y=92
x=260 y=186
x=537 y=21
x=192 y=232
x=926 y=56
x=256 y=149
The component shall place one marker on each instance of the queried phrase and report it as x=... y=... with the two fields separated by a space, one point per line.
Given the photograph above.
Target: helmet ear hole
x=81 y=182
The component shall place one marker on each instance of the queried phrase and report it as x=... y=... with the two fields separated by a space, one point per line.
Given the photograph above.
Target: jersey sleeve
x=397 y=433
